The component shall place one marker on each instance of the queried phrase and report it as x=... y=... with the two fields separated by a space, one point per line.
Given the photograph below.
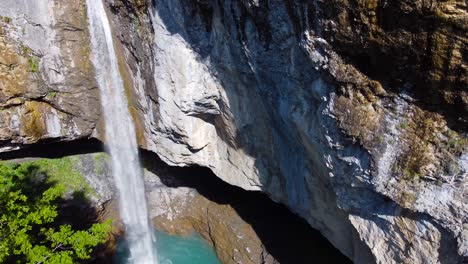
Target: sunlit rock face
x=319 y=104
x=46 y=78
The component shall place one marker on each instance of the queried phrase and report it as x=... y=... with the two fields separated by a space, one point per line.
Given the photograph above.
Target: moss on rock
x=62 y=171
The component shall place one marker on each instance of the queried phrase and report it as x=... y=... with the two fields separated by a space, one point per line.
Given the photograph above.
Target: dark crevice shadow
x=285 y=235
x=47 y=149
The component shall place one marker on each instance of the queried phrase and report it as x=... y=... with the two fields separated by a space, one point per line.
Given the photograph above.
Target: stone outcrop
x=48 y=91
x=351 y=113
x=417 y=47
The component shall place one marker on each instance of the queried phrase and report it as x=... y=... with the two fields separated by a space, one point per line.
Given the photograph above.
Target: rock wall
x=352 y=113
x=47 y=88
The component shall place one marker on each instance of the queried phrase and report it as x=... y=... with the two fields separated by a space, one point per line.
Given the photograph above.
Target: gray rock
x=256 y=91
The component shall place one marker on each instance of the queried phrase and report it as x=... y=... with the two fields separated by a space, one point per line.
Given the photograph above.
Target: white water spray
x=120 y=137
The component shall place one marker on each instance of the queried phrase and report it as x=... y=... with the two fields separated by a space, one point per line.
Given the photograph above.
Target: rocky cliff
x=351 y=113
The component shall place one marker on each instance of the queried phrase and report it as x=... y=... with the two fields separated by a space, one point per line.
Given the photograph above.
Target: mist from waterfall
x=120 y=138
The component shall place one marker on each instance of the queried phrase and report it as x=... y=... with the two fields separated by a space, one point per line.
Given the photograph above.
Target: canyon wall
x=351 y=113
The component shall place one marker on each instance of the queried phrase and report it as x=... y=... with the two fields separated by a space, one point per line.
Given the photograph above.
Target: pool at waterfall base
x=175 y=249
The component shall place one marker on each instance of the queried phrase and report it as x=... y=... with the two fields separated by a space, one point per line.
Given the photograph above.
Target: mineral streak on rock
x=351 y=113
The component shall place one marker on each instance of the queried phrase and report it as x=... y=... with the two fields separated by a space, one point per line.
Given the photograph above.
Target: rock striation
x=351 y=113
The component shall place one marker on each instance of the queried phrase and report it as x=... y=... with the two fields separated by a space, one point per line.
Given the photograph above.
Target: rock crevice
x=351 y=113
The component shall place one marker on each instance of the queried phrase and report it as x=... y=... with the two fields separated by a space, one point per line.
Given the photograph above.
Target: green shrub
x=29 y=220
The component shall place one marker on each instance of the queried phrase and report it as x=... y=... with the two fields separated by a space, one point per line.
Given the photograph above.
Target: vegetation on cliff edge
x=31 y=227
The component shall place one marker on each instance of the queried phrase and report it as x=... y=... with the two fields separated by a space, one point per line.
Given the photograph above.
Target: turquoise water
x=172 y=249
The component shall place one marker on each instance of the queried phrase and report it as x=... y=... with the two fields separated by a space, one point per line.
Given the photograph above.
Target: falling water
x=120 y=137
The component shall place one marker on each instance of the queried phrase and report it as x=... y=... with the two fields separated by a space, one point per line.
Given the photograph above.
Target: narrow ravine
x=120 y=138
x=282 y=236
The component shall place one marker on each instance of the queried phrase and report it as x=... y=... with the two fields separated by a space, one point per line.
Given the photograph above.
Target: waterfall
x=120 y=137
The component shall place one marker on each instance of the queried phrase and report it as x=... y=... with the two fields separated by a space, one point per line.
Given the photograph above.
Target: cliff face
x=352 y=113
x=409 y=46
x=46 y=78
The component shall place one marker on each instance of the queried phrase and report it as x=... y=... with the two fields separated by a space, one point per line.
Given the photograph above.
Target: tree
x=29 y=229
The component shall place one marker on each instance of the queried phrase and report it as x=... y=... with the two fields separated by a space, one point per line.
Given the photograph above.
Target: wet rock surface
x=351 y=113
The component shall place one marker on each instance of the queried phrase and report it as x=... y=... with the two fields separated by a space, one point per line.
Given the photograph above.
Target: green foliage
x=33 y=60
x=26 y=51
x=33 y=64
x=411 y=175
x=62 y=171
x=403 y=125
x=5 y=19
x=52 y=94
x=455 y=142
x=29 y=230
x=100 y=160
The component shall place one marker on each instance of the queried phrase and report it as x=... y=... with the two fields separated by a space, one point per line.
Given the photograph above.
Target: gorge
x=351 y=114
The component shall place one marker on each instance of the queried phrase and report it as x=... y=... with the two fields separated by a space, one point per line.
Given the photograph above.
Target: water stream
x=174 y=249
x=120 y=138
